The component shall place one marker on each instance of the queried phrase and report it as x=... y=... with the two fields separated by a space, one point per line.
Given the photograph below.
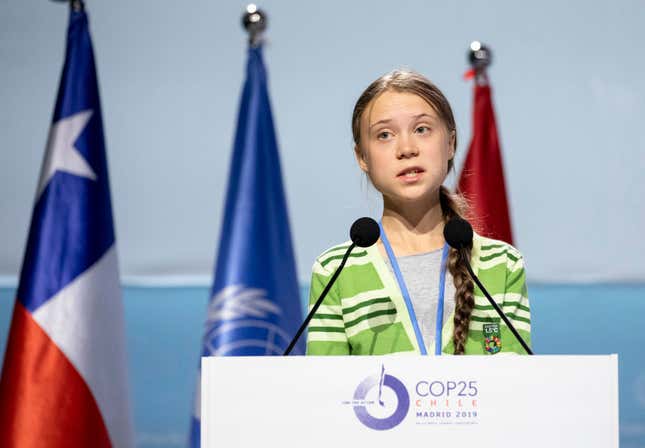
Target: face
x=405 y=147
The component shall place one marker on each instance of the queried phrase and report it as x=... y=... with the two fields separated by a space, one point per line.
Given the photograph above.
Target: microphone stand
x=319 y=301
x=494 y=304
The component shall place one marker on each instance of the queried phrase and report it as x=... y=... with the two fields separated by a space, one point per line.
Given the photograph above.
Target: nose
x=406 y=148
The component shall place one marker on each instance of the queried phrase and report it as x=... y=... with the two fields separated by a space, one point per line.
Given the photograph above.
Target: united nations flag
x=255 y=305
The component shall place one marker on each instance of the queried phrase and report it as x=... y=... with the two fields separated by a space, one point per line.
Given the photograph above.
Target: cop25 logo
x=381 y=402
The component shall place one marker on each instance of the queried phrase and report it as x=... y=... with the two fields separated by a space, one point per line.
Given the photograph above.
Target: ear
x=453 y=144
x=360 y=158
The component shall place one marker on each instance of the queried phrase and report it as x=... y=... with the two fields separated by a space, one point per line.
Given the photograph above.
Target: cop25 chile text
x=447 y=394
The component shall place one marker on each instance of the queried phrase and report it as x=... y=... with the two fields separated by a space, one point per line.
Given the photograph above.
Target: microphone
x=363 y=233
x=459 y=235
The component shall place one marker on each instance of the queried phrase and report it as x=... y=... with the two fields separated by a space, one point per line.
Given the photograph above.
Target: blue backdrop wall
x=164 y=328
x=568 y=91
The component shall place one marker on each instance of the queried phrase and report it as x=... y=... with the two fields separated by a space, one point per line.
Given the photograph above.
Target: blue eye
x=383 y=135
x=422 y=130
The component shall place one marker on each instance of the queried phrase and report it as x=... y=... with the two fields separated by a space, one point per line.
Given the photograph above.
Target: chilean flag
x=482 y=176
x=64 y=381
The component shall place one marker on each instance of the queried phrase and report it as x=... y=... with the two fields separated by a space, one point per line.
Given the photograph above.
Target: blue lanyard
x=406 y=294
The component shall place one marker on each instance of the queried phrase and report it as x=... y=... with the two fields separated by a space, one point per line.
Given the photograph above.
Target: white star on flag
x=61 y=155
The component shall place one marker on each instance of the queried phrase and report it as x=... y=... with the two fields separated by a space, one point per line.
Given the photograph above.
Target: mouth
x=412 y=172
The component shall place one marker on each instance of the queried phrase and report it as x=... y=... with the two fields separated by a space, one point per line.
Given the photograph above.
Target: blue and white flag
x=255 y=303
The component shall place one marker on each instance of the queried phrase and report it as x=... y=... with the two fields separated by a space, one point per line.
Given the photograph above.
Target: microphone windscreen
x=364 y=232
x=458 y=233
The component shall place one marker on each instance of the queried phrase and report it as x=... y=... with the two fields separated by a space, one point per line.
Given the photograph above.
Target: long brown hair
x=452 y=204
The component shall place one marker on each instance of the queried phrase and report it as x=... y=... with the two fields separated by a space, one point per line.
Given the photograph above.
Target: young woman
x=409 y=292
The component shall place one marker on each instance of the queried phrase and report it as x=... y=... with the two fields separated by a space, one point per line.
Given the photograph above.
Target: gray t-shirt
x=421 y=274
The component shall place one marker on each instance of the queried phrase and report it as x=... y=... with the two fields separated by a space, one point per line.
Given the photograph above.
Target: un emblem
x=241 y=321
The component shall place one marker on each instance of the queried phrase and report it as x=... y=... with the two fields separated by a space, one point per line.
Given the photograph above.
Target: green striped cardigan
x=365 y=313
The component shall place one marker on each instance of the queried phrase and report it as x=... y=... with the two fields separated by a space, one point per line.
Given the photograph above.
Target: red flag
x=482 y=176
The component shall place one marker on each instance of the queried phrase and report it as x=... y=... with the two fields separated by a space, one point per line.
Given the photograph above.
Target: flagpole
x=254 y=21
x=480 y=58
x=75 y=5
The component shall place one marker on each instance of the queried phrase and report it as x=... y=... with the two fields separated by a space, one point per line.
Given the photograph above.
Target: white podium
x=383 y=401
